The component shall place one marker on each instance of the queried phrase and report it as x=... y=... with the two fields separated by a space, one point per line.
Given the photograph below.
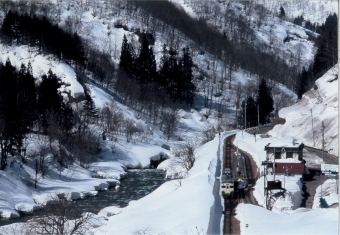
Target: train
x=227 y=184
x=233 y=182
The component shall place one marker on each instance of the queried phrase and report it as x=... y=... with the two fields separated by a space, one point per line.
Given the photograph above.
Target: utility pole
x=258 y=118
x=312 y=127
x=323 y=139
x=245 y=114
x=274 y=164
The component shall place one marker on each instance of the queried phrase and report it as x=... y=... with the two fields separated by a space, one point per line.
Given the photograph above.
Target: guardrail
x=256 y=127
x=251 y=128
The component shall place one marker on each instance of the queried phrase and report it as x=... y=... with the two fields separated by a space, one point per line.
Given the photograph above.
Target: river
x=137 y=184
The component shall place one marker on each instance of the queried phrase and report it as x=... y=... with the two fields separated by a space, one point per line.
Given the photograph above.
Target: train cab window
x=223 y=186
x=231 y=186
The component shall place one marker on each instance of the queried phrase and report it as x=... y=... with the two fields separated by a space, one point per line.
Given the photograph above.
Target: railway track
x=231 y=224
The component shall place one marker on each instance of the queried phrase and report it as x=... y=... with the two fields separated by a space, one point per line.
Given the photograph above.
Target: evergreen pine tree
x=145 y=64
x=6 y=28
x=164 y=67
x=49 y=97
x=89 y=106
x=126 y=57
x=251 y=113
x=302 y=84
x=185 y=84
x=172 y=77
x=298 y=20
x=8 y=110
x=26 y=96
x=327 y=53
x=265 y=102
x=282 y=13
x=78 y=54
x=68 y=117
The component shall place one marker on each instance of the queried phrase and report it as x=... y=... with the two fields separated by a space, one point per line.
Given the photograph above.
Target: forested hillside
x=88 y=87
x=169 y=57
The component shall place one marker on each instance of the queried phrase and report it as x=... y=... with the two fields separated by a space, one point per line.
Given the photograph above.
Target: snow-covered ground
x=328 y=191
x=171 y=209
x=175 y=207
x=258 y=220
x=285 y=217
x=293 y=196
x=321 y=103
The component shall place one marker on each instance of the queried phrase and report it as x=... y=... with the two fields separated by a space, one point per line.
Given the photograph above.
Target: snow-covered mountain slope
x=40 y=65
x=314 y=11
x=321 y=102
x=287 y=40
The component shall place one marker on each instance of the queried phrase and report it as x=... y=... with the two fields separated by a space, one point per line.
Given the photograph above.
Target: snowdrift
x=321 y=103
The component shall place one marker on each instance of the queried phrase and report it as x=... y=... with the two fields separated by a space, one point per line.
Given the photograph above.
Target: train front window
x=223 y=186
x=231 y=186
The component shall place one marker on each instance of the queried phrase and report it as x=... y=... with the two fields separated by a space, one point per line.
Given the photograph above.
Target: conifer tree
x=26 y=95
x=172 y=76
x=327 y=53
x=265 y=102
x=248 y=108
x=89 y=106
x=8 y=110
x=164 y=67
x=126 y=56
x=302 y=83
x=145 y=64
x=6 y=28
x=26 y=103
x=77 y=53
x=185 y=84
x=49 y=97
x=282 y=13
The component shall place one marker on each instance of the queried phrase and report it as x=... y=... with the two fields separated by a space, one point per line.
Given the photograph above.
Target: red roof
x=293 y=168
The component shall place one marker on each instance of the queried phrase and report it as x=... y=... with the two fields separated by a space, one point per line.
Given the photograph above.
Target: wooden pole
x=312 y=127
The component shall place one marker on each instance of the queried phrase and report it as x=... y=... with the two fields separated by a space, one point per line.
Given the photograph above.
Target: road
x=327 y=158
x=309 y=188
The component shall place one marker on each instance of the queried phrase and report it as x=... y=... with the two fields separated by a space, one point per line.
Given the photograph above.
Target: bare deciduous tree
x=111 y=118
x=41 y=159
x=184 y=155
x=59 y=220
x=170 y=120
x=208 y=133
x=131 y=128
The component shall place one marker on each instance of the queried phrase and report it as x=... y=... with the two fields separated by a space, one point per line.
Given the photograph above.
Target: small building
x=284 y=149
x=289 y=168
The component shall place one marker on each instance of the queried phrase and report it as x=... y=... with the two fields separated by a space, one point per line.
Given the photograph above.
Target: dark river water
x=137 y=184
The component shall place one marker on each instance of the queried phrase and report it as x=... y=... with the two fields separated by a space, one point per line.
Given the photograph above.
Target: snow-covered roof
x=284 y=143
